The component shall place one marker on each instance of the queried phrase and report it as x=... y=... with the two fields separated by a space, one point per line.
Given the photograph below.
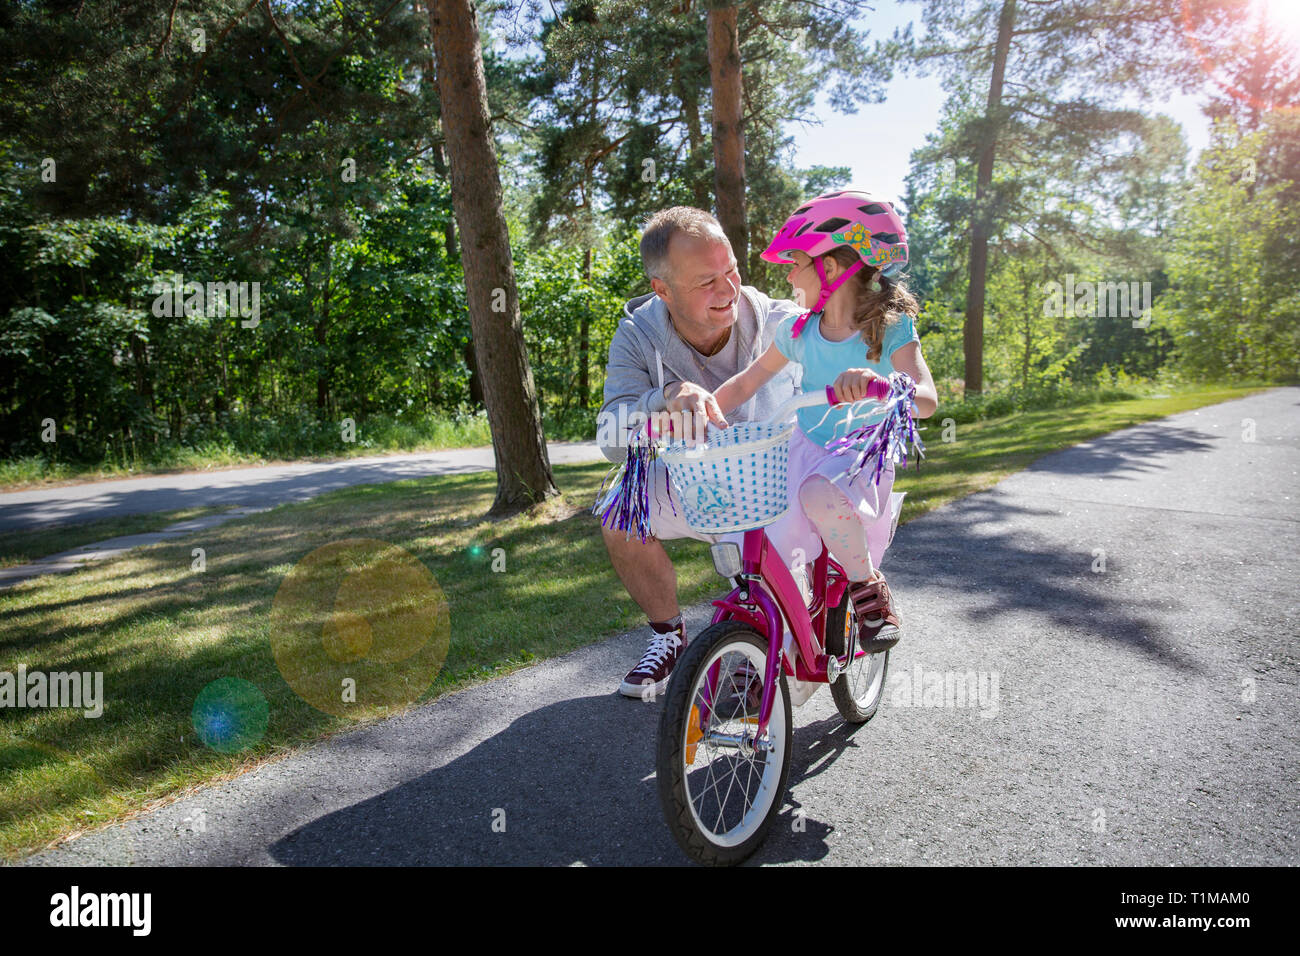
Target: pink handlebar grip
x=877 y=390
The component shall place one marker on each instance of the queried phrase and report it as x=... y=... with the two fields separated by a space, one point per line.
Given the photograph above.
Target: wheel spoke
x=730 y=790
x=731 y=782
x=714 y=757
x=748 y=802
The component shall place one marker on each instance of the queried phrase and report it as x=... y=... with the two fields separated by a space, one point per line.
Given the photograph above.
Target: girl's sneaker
x=878 y=620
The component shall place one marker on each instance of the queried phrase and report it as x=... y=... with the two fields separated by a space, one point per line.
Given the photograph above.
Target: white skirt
x=796 y=538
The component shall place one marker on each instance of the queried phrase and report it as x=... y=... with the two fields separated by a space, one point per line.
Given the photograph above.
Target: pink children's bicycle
x=725 y=731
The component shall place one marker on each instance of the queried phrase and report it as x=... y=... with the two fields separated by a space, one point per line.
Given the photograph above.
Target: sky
x=876 y=142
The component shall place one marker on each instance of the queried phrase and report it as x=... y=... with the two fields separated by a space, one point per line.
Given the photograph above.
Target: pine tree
x=1050 y=74
x=523 y=466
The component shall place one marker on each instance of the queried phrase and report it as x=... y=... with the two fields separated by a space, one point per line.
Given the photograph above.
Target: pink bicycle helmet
x=849 y=217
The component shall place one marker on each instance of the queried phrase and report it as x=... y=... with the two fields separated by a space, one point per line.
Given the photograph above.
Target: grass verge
x=20 y=547
x=161 y=632
x=252 y=444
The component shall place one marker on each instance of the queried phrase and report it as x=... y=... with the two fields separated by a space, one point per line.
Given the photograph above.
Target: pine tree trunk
x=688 y=93
x=973 y=333
x=523 y=467
x=439 y=158
x=728 y=131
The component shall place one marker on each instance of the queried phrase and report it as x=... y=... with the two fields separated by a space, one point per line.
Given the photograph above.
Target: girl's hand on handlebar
x=852 y=384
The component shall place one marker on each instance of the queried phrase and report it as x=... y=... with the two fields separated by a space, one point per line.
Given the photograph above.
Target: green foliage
x=624 y=101
x=563 y=290
x=300 y=150
x=1233 y=307
x=1087 y=189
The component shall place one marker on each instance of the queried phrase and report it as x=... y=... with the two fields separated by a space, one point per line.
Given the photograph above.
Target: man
x=673 y=348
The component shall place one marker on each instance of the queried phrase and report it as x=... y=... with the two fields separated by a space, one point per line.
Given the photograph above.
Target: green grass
x=161 y=632
x=249 y=444
x=20 y=547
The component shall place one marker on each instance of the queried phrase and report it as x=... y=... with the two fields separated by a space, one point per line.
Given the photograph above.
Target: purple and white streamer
x=888 y=439
x=623 y=501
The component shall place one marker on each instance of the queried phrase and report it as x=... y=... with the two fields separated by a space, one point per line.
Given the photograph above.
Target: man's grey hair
x=667 y=223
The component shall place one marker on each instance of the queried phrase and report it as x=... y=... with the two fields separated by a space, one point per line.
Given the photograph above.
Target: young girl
x=846 y=248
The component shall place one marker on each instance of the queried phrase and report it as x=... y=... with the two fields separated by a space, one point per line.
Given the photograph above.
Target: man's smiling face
x=703 y=286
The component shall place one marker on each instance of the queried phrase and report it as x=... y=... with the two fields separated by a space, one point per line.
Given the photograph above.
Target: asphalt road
x=261 y=486
x=1146 y=712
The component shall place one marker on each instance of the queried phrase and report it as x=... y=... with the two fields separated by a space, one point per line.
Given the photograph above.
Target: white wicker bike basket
x=736 y=481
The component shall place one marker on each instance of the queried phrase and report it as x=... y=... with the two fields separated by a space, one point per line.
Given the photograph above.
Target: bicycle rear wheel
x=857 y=691
x=719 y=787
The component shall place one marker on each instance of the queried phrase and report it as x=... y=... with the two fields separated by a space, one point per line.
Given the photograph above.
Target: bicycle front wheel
x=720 y=786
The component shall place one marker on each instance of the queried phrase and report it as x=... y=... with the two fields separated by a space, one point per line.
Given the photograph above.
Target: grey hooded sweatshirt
x=646 y=354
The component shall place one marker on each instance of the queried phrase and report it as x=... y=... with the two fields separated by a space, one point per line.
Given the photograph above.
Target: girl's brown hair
x=874 y=311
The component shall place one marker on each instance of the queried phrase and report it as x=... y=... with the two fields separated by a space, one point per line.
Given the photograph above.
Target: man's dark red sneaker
x=650 y=677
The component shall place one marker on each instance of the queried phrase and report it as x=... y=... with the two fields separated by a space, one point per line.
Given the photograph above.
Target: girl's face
x=803 y=278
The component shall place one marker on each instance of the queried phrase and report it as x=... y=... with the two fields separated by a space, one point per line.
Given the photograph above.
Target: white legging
x=835 y=518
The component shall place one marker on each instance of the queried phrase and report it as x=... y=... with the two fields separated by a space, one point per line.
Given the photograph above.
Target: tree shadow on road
x=567 y=783
x=982 y=545
x=573 y=781
x=570 y=783
x=1132 y=451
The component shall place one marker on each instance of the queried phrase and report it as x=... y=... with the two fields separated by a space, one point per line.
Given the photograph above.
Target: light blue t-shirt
x=823 y=361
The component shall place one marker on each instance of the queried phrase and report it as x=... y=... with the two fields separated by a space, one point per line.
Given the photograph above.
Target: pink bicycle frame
x=768 y=598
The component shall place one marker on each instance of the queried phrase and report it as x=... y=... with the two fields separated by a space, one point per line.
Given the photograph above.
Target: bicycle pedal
x=833 y=668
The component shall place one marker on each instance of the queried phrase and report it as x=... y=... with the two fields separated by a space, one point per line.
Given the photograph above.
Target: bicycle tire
x=671 y=768
x=859 y=709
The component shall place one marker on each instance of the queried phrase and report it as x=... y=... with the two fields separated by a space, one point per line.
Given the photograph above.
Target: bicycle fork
x=764 y=574
x=751 y=602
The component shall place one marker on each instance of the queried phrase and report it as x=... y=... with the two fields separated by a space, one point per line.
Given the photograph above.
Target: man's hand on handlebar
x=690 y=407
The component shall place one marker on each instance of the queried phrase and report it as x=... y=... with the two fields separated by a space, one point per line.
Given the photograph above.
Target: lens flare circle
x=357 y=624
x=230 y=714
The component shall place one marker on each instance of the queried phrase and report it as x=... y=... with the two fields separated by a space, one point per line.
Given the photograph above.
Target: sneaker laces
x=658 y=651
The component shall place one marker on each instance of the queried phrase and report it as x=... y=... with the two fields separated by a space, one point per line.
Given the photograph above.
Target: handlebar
x=877 y=390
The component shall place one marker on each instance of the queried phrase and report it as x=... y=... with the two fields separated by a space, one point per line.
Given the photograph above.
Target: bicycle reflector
x=726 y=558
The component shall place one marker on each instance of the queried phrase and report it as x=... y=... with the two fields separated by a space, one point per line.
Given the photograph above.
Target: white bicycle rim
x=865 y=677
x=741 y=785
